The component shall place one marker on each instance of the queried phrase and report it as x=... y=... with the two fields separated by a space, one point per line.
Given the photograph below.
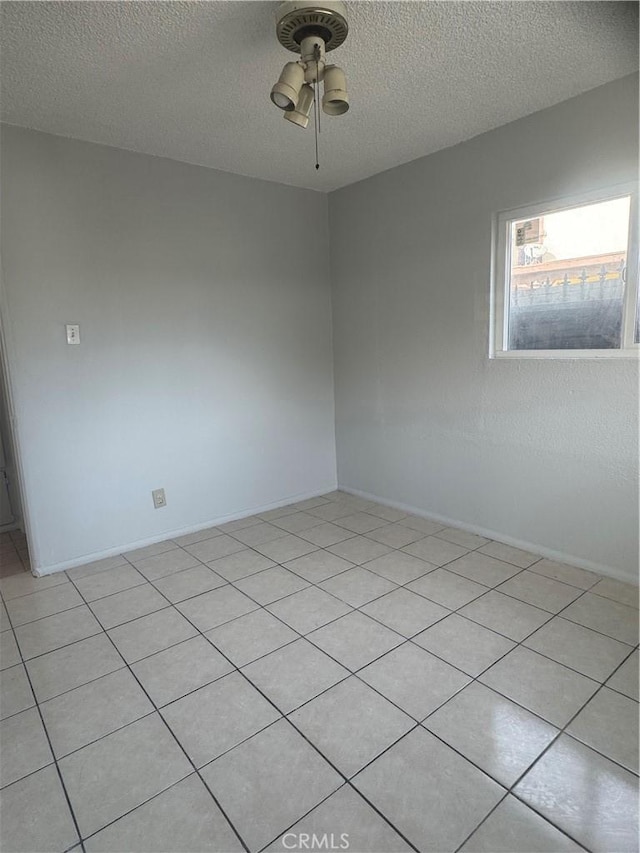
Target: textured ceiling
x=191 y=80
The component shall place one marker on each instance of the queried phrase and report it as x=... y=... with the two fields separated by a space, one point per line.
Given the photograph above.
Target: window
x=566 y=278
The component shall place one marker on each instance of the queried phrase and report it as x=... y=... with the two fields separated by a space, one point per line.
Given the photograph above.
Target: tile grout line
x=356 y=609
x=53 y=755
x=561 y=730
x=285 y=716
x=271 y=702
x=352 y=672
x=316 y=585
x=518 y=643
x=170 y=730
x=410 y=639
x=365 y=535
x=419 y=723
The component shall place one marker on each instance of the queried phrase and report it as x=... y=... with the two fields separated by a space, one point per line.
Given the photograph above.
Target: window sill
x=569 y=355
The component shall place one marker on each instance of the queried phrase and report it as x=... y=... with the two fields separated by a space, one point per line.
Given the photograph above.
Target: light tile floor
x=334 y=667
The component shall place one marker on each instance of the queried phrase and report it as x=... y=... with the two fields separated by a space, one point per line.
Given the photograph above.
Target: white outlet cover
x=159 y=498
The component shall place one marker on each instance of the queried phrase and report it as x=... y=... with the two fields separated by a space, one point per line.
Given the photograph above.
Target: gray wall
x=205 y=365
x=540 y=452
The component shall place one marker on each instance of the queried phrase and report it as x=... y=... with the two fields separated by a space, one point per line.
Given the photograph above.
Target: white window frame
x=501 y=267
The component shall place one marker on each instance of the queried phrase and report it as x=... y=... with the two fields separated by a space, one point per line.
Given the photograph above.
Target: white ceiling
x=191 y=80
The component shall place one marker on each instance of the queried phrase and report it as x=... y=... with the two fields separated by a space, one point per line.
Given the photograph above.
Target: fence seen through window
x=567 y=277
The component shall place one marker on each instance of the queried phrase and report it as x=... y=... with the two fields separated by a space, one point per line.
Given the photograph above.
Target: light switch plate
x=73 y=333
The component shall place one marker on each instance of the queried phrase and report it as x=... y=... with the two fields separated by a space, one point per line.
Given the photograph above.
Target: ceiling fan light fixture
x=286 y=91
x=335 y=101
x=311 y=29
x=300 y=115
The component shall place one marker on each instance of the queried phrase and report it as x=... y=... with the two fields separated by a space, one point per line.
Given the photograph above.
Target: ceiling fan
x=311 y=31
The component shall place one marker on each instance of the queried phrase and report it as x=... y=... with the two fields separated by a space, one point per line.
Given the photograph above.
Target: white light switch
x=73 y=334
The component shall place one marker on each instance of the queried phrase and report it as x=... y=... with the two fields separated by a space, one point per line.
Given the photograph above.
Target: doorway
x=14 y=554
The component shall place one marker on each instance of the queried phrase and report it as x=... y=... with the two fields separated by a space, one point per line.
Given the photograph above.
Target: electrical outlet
x=159 y=499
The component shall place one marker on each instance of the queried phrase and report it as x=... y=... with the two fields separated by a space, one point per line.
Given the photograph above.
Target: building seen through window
x=567 y=278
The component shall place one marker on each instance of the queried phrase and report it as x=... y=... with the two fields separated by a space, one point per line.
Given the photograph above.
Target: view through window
x=567 y=278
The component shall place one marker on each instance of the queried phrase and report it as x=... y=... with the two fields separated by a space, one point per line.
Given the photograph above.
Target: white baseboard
x=549 y=553
x=40 y=571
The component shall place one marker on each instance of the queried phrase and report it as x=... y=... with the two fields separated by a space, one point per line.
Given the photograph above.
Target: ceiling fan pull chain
x=317 y=58
x=315 y=120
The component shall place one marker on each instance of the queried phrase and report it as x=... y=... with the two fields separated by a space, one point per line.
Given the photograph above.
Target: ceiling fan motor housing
x=298 y=20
